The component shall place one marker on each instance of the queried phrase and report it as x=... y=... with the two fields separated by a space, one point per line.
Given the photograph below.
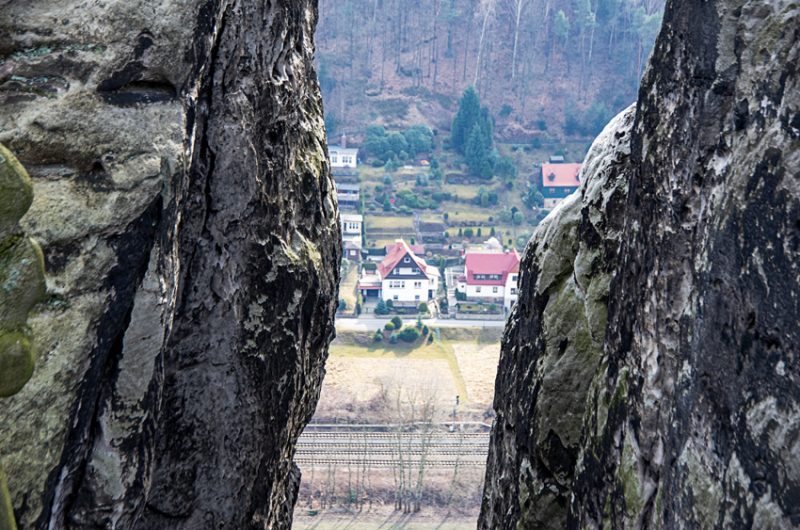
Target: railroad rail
x=390 y=449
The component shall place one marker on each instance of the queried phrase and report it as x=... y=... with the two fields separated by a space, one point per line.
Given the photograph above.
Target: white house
x=343 y=157
x=351 y=235
x=491 y=277
x=349 y=195
x=403 y=277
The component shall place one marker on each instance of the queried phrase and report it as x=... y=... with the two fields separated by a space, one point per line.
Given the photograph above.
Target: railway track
x=388 y=449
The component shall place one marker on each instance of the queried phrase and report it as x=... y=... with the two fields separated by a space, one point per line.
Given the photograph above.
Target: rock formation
x=21 y=287
x=188 y=222
x=650 y=375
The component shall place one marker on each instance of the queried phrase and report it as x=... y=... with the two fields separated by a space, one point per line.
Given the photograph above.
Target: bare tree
x=517 y=9
x=486 y=10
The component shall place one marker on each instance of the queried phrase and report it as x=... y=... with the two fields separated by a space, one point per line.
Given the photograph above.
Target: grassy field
x=347 y=287
x=389 y=222
x=361 y=374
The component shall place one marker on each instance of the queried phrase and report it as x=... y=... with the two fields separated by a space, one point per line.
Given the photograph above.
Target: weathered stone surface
x=553 y=346
x=691 y=416
x=188 y=223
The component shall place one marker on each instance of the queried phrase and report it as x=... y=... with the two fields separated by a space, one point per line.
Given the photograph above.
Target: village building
x=558 y=182
x=351 y=235
x=491 y=277
x=349 y=195
x=402 y=277
x=343 y=157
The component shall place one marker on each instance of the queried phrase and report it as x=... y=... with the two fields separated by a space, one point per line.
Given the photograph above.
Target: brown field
x=363 y=376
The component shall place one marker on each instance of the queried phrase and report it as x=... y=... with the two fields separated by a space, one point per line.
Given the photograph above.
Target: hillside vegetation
x=545 y=68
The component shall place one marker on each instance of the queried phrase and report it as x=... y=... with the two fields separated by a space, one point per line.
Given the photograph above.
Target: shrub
x=430 y=339
x=409 y=334
x=342 y=305
x=425 y=330
x=380 y=308
x=393 y=338
x=423 y=308
x=468 y=232
x=378 y=337
x=397 y=321
x=389 y=304
x=389 y=326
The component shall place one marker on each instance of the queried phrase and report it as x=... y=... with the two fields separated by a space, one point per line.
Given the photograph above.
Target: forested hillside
x=546 y=68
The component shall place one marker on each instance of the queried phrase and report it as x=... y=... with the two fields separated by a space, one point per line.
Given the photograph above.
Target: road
x=372 y=324
x=388 y=449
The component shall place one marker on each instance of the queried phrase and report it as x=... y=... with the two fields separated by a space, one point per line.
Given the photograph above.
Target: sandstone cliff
x=650 y=375
x=188 y=221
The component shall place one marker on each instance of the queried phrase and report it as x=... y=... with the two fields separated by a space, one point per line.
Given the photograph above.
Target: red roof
x=416 y=249
x=394 y=255
x=501 y=264
x=561 y=175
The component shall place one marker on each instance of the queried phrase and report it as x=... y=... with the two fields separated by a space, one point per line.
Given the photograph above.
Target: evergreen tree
x=476 y=153
x=469 y=110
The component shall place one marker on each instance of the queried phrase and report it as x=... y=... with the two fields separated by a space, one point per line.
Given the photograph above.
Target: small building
x=491 y=277
x=351 y=235
x=404 y=278
x=349 y=195
x=558 y=182
x=343 y=157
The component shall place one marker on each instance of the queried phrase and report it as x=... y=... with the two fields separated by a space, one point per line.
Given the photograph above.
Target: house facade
x=351 y=235
x=491 y=277
x=559 y=181
x=402 y=277
x=348 y=195
x=343 y=157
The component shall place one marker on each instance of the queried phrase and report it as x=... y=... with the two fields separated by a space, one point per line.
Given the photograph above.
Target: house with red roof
x=402 y=277
x=491 y=277
x=558 y=182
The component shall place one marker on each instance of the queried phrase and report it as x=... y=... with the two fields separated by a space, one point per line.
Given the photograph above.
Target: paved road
x=371 y=324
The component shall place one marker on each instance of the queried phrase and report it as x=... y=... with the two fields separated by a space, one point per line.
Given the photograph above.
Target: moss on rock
x=21 y=287
x=16 y=191
x=16 y=361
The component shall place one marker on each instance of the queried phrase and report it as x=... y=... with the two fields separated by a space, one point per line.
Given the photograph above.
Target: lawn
x=360 y=372
x=462 y=191
x=387 y=222
x=347 y=287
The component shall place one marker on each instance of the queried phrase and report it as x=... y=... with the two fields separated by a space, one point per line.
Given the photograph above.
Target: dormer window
x=406 y=260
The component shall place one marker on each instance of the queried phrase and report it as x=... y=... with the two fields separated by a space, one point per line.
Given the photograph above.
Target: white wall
x=484 y=292
x=405 y=290
x=511 y=291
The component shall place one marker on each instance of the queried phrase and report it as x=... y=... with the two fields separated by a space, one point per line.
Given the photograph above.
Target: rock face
x=649 y=374
x=185 y=208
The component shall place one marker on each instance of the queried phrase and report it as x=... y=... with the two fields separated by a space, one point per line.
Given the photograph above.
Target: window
x=514 y=278
x=406 y=260
x=335 y=159
x=417 y=285
x=513 y=291
x=478 y=289
x=494 y=289
x=416 y=297
x=395 y=297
